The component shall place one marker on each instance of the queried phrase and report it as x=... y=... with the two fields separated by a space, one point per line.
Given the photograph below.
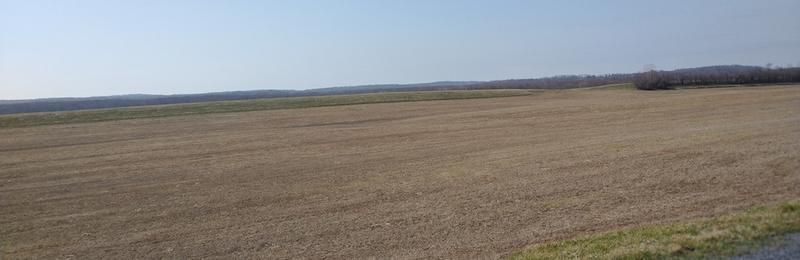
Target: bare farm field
x=470 y=178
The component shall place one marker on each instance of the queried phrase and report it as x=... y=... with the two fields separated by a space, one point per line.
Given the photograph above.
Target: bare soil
x=478 y=178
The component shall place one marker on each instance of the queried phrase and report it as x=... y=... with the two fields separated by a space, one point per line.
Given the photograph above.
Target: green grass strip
x=707 y=238
x=98 y=115
x=622 y=86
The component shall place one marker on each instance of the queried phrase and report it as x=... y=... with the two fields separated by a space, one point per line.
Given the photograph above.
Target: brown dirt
x=440 y=179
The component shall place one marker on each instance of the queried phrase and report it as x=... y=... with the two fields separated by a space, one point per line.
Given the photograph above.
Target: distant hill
x=66 y=104
x=395 y=87
x=68 y=99
x=557 y=82
x=80 y=103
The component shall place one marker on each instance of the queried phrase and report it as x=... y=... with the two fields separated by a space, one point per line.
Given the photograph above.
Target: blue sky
x=87 y=48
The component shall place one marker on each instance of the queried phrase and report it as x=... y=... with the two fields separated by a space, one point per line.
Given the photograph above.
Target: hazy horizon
x=93 y=48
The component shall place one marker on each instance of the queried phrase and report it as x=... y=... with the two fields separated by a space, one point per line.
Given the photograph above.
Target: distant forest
x=650 y=80
x=715 y=75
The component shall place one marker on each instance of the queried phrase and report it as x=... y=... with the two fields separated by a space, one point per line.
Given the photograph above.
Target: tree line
x=715 y=75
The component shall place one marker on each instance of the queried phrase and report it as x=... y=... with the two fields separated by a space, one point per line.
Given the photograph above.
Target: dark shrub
x=652 y=80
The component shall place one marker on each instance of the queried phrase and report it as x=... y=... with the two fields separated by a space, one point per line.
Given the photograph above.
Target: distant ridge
x=556 y=82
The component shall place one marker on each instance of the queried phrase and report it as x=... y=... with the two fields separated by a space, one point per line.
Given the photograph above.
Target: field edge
x=726 y=235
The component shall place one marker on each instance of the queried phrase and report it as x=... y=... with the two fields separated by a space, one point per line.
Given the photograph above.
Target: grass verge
x=98 y=115
x=623 y=86
x=714 y=237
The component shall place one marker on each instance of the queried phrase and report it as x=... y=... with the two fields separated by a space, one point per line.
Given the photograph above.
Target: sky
x=108 y=47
